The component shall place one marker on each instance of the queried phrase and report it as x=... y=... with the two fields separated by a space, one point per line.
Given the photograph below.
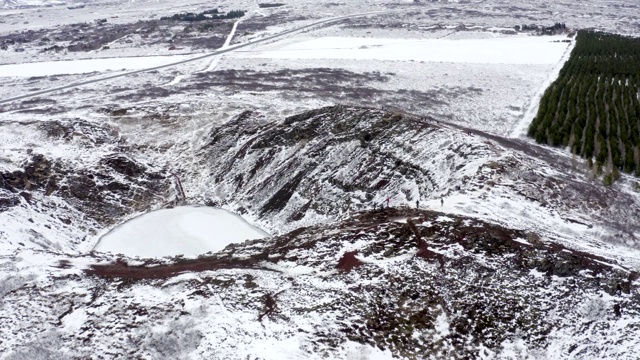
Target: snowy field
x=499 y=50
x=491 y=92
x=482 y=78
x=84 y=66
x=186 y=230
x=477 y=79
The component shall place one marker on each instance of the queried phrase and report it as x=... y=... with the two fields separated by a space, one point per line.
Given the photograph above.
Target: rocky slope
x=515 y=253
x=328 y=161
x=415 y=283
x=317 y=166
x=74 y=179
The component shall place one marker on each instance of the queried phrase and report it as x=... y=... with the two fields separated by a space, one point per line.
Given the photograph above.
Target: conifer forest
x=593 y=108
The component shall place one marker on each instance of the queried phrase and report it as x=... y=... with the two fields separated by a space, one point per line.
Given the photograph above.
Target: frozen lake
x=84 y=66
x=185 y=230
x=520 y=49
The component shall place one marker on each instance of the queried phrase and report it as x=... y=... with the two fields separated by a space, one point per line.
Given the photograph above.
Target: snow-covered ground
x=520 y=129
x=185 y=230
x=521 y=49
x=221 y=124
x=485 y=82
x=84 y=66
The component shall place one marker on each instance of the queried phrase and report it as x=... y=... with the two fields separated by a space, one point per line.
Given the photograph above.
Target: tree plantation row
x=594 y=107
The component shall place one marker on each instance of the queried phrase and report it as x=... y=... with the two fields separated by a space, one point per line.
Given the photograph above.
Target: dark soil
x=120 y=269
x=348 y=261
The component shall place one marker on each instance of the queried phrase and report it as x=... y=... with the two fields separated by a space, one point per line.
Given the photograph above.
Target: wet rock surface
x=35 y=175
x=123 y=165
x=7 y=200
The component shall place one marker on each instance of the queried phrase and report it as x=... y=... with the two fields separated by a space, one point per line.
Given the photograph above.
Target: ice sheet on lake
x=186 y=230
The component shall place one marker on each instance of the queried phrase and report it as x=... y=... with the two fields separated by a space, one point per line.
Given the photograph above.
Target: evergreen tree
x=593 y=106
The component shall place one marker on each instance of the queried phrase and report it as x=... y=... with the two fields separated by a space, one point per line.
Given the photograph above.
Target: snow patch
x=442 y=326
x=366 y=352
x=74 y=320
x=535 y=273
